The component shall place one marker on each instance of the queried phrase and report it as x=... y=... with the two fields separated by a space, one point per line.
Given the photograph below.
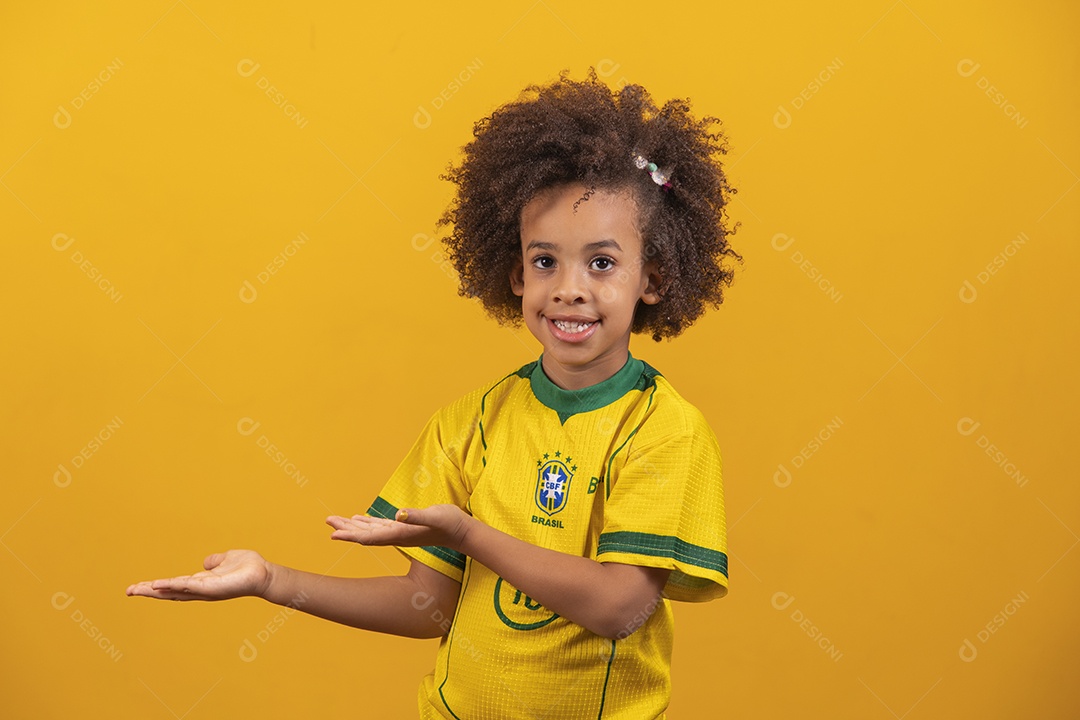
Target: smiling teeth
x=571 y=327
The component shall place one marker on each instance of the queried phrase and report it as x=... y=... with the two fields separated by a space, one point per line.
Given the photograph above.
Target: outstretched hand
x=443 y=525
x=231 y=574
x=239 y=573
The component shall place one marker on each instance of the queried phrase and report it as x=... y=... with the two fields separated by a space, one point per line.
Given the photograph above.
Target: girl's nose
x=571 y=288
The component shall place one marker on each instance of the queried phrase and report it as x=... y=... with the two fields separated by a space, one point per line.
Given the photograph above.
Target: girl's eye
x=603 y=263
x=544 y=262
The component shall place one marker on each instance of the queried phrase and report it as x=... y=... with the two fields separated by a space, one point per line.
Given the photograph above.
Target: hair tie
x=660 y=177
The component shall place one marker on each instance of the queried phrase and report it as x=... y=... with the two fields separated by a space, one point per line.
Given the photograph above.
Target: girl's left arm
x=609 y=599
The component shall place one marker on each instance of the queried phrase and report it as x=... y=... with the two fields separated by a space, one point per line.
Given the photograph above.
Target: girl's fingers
x=354 y=521
x=368 y=533
x=358 y=524
x=367 y=520
x=183 y=583
x=145 y=589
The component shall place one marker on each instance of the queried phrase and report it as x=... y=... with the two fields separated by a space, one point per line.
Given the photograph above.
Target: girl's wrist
x=275 y=586
x=467 y=533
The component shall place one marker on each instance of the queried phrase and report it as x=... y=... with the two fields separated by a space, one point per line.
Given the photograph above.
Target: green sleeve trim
x=666 y=546
x=382 y=509
x=451 y=557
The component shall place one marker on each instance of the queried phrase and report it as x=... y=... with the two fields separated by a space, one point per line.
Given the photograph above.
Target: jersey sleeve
x=432 y=474
x=665 y=509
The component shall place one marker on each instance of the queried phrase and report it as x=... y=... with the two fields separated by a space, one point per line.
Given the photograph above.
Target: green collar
x=572 y=402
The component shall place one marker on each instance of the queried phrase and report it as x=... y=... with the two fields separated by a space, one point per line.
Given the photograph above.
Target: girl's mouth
x=572 y=330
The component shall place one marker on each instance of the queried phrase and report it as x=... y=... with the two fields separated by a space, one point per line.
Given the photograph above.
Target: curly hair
x=583 y=132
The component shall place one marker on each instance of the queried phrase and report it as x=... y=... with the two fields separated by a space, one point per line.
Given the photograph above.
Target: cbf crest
x=553 y=482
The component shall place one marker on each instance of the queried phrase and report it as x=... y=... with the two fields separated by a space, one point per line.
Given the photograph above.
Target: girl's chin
x=578 y=358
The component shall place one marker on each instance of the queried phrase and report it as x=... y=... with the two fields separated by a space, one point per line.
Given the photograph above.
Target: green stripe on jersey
x=483 y=400
x=451 y=557
x=662 y=546
x=382 y=509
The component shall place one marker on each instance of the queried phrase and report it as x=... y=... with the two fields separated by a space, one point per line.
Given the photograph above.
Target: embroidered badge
x=553 y=483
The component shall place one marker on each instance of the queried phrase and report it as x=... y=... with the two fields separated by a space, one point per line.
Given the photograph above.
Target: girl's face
x=581 y=277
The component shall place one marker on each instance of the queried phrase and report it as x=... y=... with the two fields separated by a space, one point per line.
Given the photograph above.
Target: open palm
x=236 y=573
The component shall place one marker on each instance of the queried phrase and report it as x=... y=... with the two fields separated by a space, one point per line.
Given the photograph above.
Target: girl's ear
x=654 y=283
x=517 y=278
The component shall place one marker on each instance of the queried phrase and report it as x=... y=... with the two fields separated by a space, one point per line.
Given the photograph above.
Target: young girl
x=552 y=515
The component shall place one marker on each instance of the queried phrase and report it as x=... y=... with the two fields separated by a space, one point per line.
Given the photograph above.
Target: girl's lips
x=571 y=337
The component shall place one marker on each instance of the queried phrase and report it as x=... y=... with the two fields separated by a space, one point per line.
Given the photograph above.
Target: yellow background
x=862 y=582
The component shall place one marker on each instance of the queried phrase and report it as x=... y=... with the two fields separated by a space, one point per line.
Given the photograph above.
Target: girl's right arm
x=419 y=604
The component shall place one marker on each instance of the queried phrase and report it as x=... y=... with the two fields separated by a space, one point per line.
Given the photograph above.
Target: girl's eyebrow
x=598 y=245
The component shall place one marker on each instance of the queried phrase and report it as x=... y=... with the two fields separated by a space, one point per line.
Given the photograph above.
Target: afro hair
x=584 y=132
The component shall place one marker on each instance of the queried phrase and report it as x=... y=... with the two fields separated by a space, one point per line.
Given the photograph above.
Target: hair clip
x=660 y=177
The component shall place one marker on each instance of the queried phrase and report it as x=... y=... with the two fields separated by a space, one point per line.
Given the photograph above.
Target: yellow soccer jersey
x=624 y=471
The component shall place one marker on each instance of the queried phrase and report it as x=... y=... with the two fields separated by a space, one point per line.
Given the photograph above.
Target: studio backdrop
x=227 y=314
